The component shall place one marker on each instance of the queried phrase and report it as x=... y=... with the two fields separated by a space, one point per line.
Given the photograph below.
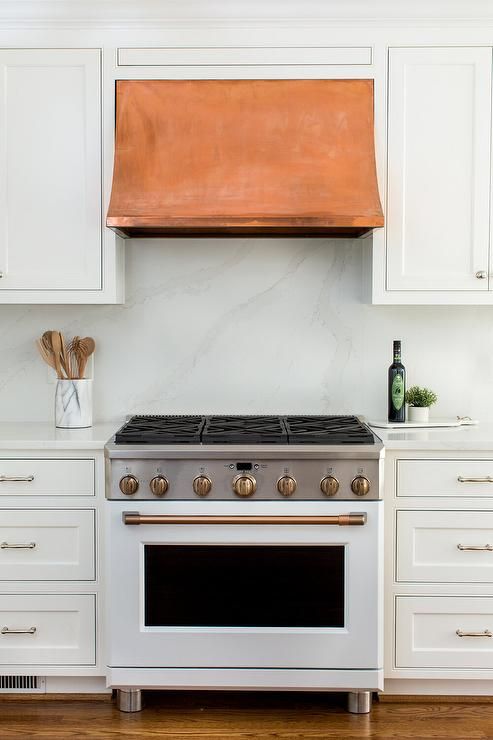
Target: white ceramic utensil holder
x=418 y=413
x=73 y=404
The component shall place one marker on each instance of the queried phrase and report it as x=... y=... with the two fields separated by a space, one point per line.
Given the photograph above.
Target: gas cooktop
x=257 y=430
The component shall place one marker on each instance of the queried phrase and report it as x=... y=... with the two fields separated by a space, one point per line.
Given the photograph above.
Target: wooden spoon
x=87 y=345
x=46 y=354
x=64 y=358
x=57 y=349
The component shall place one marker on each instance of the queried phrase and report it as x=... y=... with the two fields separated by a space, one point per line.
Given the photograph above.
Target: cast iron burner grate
x=334 y=430
x=318 y=430
x=254 y=430
x=165 y=430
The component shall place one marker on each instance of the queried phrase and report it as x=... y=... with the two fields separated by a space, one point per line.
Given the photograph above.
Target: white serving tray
x=459 y=421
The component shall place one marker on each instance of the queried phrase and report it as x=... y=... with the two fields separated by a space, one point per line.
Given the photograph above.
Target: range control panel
x=226 y=480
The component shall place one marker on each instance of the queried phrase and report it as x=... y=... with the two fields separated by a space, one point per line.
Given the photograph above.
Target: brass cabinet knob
x=329 y=485
x=159 y=485
x=360 y=485
x=202 y=485
x=286 y=485
x=129 y=485
x=244 y=485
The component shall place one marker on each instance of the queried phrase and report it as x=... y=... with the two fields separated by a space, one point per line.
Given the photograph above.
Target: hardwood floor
x=242 y=716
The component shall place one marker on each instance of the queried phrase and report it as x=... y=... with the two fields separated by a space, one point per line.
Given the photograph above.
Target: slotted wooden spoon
x=87 y=345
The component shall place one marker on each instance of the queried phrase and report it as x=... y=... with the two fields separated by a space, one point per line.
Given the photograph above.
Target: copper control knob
x=329 y=485
x=360 y=485
x=286 y=486
x=244 y=485
x=159 y=485
x=129 y=485
x=202 y=485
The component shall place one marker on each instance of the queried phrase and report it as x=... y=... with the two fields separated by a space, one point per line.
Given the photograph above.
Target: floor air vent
x=20 y=684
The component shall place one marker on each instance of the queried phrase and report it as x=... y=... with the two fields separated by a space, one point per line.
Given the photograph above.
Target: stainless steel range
x=245 y=552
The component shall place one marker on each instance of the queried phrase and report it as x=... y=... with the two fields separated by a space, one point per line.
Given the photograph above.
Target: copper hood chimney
x=244 y=158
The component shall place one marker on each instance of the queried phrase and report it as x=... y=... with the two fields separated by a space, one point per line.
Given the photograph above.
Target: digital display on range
x=243 y=466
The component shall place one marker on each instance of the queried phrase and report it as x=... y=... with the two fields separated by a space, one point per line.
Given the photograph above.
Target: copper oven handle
x=341 y=520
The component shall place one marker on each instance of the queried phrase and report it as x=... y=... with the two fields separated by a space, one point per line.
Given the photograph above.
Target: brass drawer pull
x=16 y=478
x=489 y=548
x=8 y=631
x=17 y=546
x=484 y=633
x=341 y=520
x=486 y=479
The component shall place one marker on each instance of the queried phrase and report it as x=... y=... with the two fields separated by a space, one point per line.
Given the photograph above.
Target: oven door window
x=244 y=586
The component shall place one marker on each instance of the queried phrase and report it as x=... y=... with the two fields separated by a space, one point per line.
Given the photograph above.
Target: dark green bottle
x=397 y=387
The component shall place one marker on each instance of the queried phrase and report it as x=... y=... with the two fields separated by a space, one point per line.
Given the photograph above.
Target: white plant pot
x=73 y=404
x=419 y=413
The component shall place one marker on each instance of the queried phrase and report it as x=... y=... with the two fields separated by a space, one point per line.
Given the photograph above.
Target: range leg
x=129 y=700
x=359 y=702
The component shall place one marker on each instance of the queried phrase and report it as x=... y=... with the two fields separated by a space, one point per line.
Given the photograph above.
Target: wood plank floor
x=240 y=716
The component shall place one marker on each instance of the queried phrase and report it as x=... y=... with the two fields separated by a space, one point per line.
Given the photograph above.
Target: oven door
x=259 y=594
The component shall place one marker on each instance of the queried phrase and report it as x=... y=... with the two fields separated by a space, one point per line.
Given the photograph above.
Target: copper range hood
x=244 y=158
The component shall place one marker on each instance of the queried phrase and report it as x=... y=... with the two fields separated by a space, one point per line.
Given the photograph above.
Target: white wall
x=250 y=326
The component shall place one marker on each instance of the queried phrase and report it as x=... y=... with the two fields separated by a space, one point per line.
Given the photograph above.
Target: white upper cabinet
x=438 y=179
x=51 y=236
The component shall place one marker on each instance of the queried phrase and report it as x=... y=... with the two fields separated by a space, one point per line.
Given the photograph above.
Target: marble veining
x=73 y=404
x=250 y=326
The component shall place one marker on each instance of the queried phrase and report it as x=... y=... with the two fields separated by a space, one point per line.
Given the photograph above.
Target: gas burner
x=334 y=430
x=246 y=430
x=163 y=430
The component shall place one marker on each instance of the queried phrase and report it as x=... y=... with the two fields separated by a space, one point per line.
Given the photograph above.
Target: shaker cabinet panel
x=444 y=632
x=444 y=546
x=50 y=170
x=438 y=185
x=47 y=544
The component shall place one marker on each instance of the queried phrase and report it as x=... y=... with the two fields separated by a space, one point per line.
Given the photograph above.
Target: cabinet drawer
x=47 y=545
x=440 y=546
x=47 y=629
x=426 y=632
x=445 y=478
x=37 y=477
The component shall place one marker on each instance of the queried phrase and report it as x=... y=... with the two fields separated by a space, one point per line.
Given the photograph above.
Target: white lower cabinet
x=50 y=573
x=47 y=629
x=439 y=572
x=444 y=632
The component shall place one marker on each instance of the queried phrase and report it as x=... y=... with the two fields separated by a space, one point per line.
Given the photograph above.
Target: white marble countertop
x=45 y=436
x=477 y=437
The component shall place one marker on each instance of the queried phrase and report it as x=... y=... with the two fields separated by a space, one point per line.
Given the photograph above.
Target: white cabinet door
x=47 y=629
x=50 y=170
x=444 y=546
x=444 y=632
x=438 y=186
x=47 y=544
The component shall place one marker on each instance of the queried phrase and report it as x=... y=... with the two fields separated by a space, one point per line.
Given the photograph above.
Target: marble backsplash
x=250 y=326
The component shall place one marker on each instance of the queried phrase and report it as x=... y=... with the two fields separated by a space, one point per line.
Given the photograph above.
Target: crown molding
x=157 y=14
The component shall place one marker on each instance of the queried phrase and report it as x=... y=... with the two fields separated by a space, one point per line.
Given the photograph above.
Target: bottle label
x=397 y=392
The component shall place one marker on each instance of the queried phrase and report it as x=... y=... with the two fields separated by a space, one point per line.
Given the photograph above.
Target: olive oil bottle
x=397 y=387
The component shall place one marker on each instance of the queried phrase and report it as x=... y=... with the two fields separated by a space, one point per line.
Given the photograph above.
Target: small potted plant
x=419 y=401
